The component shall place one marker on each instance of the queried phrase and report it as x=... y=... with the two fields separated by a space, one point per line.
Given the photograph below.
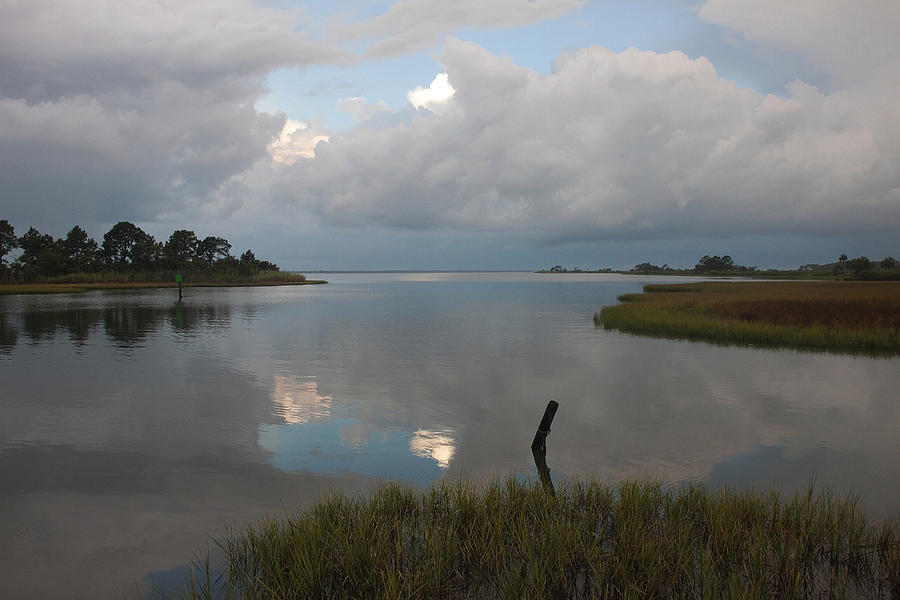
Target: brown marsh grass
x=846 y=316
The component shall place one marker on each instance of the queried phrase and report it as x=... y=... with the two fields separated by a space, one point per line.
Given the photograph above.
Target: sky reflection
x=297 y=400
x=437 y=445
x=326 y=448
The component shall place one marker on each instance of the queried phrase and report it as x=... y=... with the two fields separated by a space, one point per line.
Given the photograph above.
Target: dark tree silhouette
x=858 y=265
x=181 y=248
x=646 y=267
x=8 y=240
x=79 y=250
x=715 y=263
x=41 y=255
x=33 y=244
x=126 y=244
x=212 y=248
x=126 y=249
x=248 y=258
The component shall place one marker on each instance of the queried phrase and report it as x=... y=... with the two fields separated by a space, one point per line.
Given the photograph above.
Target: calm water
x=134 y=427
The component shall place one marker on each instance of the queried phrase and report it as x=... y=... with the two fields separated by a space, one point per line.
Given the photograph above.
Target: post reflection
x=540 y=461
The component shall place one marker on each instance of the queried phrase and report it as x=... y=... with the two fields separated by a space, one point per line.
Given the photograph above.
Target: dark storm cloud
x=116 y=110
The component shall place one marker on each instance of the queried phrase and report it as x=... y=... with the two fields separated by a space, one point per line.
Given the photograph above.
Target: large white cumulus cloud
x=613 y=145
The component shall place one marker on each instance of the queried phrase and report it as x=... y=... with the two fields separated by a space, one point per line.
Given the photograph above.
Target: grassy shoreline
x=73 y=288
x=792 y=275
x=841 y=316
x=512 y=539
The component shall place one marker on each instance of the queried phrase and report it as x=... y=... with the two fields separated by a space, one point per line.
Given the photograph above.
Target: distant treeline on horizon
x=844 y=268
x=126 y=250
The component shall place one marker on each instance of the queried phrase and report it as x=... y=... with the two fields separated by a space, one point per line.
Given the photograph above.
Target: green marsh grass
x=67 y=284
x=512 y=539
x=860 y=317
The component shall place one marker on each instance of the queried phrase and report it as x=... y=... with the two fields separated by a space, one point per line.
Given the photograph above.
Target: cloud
x=413 y=25
x=298 y=140
x=125 y=155
x=66 y=47
x=131 y=110
x=146 y=111
x=611 y=146
x=434 y=95
x=854 y=40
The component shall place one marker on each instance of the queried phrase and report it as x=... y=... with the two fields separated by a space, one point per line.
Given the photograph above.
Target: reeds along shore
x=107 y=281
x=514 y=540
x=859 y=317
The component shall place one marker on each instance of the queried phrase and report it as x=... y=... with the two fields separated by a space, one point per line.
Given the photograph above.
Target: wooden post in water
x=539 y=446
x=540 y=438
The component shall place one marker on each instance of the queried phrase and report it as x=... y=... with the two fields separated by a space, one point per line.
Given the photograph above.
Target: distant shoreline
x=773 y=274
x=9 y=289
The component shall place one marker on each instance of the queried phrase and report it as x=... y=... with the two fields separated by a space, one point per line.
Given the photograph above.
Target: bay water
x=135 y=428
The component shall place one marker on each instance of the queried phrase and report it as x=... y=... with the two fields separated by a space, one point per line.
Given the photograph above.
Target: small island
x=128 y=257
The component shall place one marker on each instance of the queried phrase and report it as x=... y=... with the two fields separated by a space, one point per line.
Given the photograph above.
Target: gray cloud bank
x=130 y=110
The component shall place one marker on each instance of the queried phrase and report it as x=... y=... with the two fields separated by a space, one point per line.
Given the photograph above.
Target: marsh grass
x=861 y=317
x=67 y=284
x=167 y=277
x=512 y=539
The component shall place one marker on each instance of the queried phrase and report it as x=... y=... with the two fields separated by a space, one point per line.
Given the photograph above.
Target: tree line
x=126 y=250
x=863 y=268
x=706 y=264
x=845 y=268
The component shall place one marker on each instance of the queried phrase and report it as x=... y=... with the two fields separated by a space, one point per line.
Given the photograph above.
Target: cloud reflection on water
x=343 y=445
x=313 y=438
x=436 y=445
x=297 y=400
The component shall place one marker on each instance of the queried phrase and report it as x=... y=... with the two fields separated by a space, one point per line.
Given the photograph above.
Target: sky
x=460 y=134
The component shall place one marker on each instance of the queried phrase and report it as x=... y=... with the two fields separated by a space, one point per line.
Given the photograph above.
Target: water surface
x=134 y=427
